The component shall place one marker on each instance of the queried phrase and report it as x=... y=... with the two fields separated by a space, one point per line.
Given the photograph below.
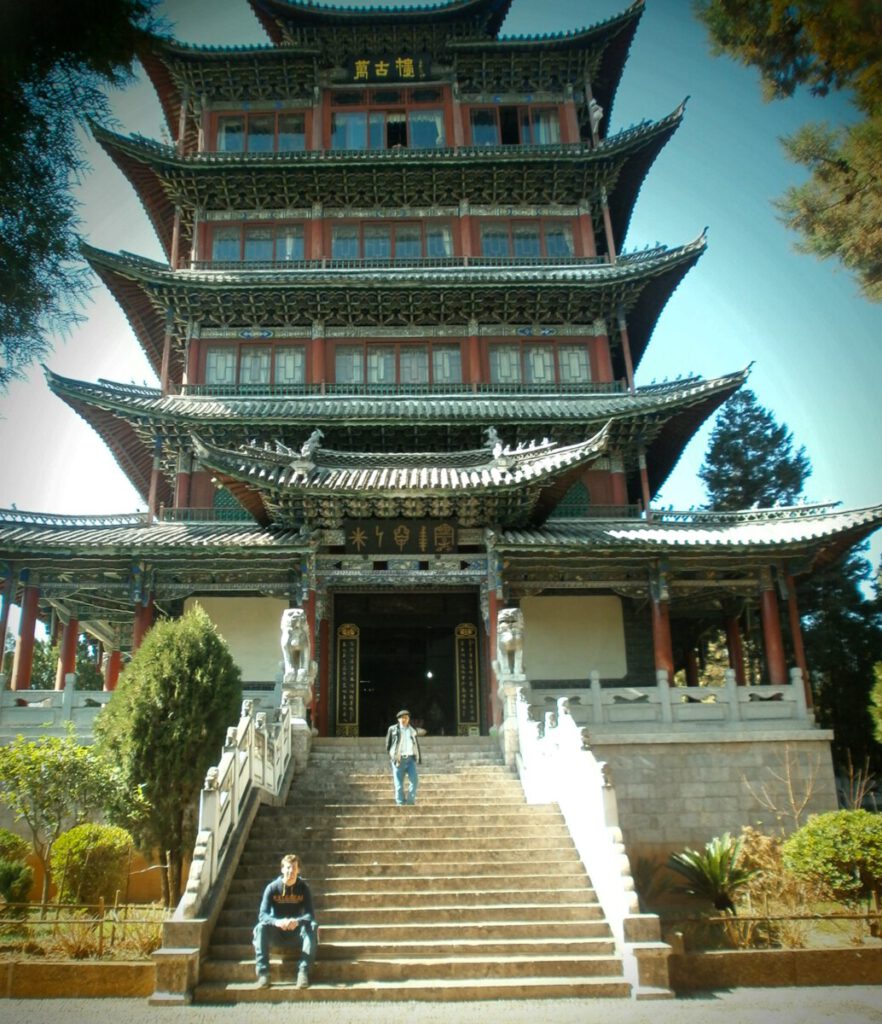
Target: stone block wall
x=678 y=791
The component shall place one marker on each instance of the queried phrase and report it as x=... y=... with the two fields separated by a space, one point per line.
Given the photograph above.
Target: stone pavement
x=852 y=1004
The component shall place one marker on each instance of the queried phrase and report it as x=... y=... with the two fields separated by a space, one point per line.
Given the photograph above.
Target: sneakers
x=263 y=981
x=302 y=978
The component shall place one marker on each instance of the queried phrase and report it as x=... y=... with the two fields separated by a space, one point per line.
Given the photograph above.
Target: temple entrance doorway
x=412 y=650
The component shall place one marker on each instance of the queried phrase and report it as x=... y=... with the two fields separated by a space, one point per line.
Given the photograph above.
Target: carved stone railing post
x=299 y=672
x=732 y=695
x=510 y=677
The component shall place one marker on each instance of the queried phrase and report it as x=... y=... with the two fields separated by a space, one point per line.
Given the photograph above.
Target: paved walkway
x=852 y=1004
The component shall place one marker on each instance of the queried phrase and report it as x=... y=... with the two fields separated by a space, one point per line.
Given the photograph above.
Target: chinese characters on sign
x=402 y=67
x=466 y=678
x=347 y=679
x=399 y=536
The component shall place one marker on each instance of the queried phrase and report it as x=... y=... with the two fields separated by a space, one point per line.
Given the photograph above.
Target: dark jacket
x=281 y=901
x=393 y=739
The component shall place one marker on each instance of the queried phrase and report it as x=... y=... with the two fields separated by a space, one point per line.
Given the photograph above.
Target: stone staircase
x=471 y=894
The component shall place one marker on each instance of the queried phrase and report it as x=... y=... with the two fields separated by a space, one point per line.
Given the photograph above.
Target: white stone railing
x=556 y=765
x=33 y=713
x=664 y=707
x=257 y=752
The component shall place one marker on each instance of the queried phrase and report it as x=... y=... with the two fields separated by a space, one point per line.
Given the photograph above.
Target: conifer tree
x=163 y=728
x=750 y=461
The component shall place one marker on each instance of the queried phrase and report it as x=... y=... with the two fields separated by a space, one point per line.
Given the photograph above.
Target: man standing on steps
x=286 y=918
x=403 y=748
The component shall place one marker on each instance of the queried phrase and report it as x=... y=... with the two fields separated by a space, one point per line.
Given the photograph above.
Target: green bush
x=841 y=852
x=90 y=862
x=16 y=879
x=13 y=847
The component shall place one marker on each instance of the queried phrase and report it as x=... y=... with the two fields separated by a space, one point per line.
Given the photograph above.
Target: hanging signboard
x=388 y=67
x=400 y=536
x=466 y=639
x=347 y=679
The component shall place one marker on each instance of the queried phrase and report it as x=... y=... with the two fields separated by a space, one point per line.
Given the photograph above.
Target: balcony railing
x=205 y=515
x=417 y=263
x=612 y=387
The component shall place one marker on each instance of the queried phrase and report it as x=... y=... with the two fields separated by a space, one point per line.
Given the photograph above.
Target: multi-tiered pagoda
x=397 y=336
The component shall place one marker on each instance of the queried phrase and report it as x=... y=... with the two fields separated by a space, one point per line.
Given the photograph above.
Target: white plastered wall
x=569 y=637
x=251 y=628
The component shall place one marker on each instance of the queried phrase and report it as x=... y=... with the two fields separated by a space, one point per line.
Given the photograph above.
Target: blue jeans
x=406 y=766
x=268 y=935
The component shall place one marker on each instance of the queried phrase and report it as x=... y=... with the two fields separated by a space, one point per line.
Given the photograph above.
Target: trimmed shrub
x=90 y=862
x=16 y=879
x=12 y=846
x=841 y=852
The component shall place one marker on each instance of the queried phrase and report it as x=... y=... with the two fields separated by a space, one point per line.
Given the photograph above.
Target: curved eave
x=678 y=430
x=161 y=176
x=132 y=456
x=294 y=14
x=803 y=542
x=145 y=178
x=612 y=37
x=129 y=292
x=639 y=283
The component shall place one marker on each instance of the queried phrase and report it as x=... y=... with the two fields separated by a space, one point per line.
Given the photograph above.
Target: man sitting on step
x=286 y=918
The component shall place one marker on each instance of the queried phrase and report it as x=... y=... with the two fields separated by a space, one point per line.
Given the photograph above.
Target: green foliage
x=56 y=58
x=90 y=862
x=51 y=784
x=713 y=874
x=840 y=852
x=750 y=460
x=842 y=628
x=12 y=846
x=164 y=727
x=823 y=46
x=876 y=702
x=16 y=880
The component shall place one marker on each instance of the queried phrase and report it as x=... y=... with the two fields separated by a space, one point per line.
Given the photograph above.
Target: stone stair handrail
x=556 y=765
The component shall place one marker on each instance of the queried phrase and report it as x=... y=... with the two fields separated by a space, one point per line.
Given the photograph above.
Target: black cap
x=402 y=713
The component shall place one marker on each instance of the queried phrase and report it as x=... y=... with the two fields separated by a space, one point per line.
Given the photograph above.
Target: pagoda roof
x=560 y=174
x=452 y=291
x=319 y=486
x=660 y=417
x=801 y=538
x=462 y=37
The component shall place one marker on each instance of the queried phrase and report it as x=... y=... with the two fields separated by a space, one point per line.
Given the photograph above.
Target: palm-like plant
x=713 y=874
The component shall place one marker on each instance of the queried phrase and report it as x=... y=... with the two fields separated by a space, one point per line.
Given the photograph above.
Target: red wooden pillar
x=798 y=645
x=23 y=659
x=67 y=653
x=324 y=675
x=661 y=637
x=735 y=648
x=774 y=644
x=143 y=621
x=112 y=665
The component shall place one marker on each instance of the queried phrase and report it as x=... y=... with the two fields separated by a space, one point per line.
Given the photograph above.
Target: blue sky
x=814 y=341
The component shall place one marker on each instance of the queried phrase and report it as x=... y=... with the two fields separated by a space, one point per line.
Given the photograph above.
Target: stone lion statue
x=295 y=642
x=510 y=641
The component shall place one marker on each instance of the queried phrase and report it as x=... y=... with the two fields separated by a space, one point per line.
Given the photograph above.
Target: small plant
x=841 y=853
x=90 y=862
x=77 y=939
x=12 y=846
x=714 y=874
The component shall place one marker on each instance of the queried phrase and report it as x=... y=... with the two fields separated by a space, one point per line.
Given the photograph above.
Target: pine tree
x=164 y=728
x=750 y=461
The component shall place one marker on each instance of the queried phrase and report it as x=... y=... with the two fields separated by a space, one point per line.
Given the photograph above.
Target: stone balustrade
x=665 y=708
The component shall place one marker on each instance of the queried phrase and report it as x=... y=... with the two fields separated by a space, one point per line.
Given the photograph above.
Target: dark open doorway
x=407 y=656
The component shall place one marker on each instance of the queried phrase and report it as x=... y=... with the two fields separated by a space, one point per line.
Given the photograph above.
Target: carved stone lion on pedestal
x=510 y=641
x=295 y=642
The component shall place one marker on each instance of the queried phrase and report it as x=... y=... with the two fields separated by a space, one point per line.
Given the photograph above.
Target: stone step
x=414 y=865
x=408 y=967
x=420 y=990
x=377 y=892
x=425 y=931
x=541 y=946
x=413 y=817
